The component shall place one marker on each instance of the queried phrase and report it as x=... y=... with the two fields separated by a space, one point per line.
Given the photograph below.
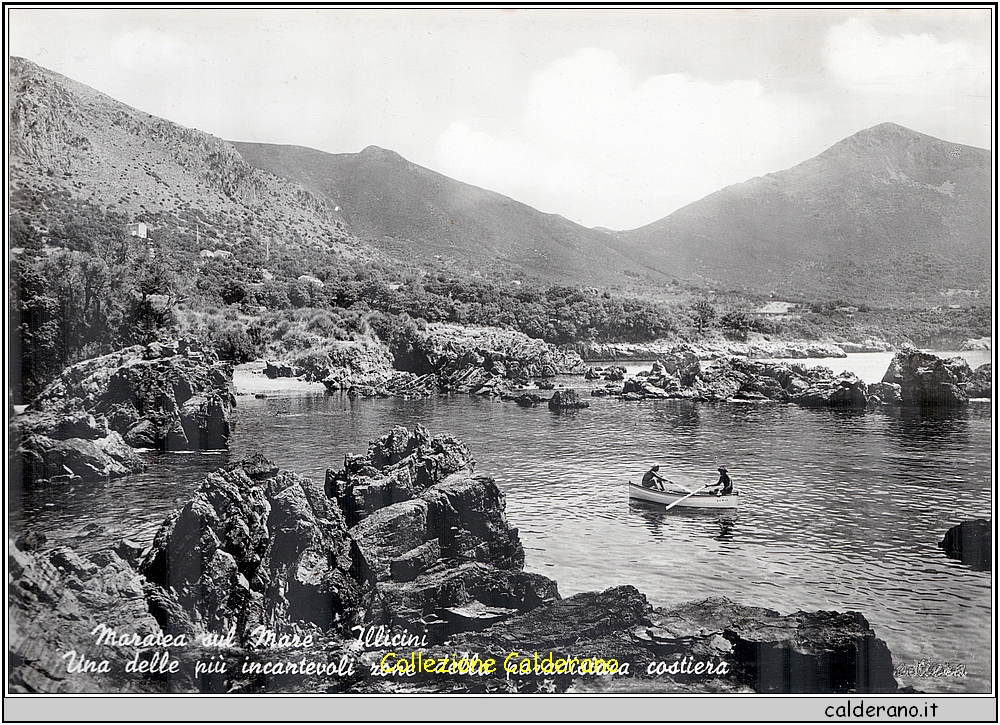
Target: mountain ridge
x=884 y=200
x=887 y=214
x=410 y=209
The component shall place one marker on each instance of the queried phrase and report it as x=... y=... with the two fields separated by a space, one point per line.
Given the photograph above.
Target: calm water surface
x=841 y=510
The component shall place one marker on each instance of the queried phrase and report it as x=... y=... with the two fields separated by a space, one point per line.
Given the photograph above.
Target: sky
x=609 y=117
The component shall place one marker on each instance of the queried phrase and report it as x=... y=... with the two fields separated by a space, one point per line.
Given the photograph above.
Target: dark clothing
x=650 y=478
x=726 y=482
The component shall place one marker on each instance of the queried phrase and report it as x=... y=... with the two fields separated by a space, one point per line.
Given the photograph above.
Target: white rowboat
x=701 y=500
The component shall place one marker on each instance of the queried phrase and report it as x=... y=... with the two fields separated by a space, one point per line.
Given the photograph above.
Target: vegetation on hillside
x=82 y=286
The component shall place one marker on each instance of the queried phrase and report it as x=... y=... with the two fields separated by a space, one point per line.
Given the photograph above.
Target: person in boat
x=652 y=479
x=724 y=486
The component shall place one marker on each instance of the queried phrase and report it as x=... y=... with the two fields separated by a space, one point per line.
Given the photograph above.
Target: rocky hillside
x=410 y=211
x=70 y=142
x=883 y=215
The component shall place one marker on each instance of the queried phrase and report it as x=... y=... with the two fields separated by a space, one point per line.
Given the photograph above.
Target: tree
x=704 y=313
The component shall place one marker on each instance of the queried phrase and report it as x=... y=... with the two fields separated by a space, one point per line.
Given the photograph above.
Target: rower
x=724 y=486
x=652 y=479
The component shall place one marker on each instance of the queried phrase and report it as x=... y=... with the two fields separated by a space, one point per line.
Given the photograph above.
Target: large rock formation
x=55 y=600
x=86 y=423
x=355 y=364
x=433 y=536
x=971 y=542
x=804 y=652
x=739 y=378
x=463 y=359
x=258 y=547
x=567 y=400
x=713 y=645
x=929 y=382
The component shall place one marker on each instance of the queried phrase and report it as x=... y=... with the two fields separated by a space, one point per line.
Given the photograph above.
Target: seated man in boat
x=651 y=479
x=724 y=486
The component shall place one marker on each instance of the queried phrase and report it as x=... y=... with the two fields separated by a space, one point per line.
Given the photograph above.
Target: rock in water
x=86 y=423
x=275 y=370
x=566 y=400
x=927 y=381
x=971 y=542
x=980 y=385
x=433 y=537
x=811 y=652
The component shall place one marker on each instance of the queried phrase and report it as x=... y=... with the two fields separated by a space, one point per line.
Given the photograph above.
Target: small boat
x=700 y=500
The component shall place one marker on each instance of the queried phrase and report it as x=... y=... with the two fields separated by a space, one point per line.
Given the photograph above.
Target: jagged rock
x=528 y=400
x=43 y=458
x=971 y=542
x=442 y=598
x=396 y=468
x=810 y=652
x=844 y=391
x=644 y=388
x=54 y=604
x=742 y=379
x=567 y=400
x=615 y=373
x=30 y=541
x=886 y=393
x=87 y=421
x=130 y=551
x=681 y=363
x=258 y=547
x=804 y=652
x=480 y=360
x=980 y=385
x=562 y=625
x=546 y=385
x=927 y=381
x=592 y=374
x=421 y=520
x=354 y=364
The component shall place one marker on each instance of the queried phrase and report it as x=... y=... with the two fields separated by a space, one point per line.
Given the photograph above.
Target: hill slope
x=72 y=144
x=414 y=212
x=887 y=213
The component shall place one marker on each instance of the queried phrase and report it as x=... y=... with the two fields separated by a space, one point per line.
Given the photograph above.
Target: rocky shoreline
x=913 y=379
x=89 y=423
x=405 y=542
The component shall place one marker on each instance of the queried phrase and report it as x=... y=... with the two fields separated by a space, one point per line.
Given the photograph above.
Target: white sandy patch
x=249 y=379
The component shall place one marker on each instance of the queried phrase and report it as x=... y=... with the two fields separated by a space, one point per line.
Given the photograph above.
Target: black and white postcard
x=481 y=351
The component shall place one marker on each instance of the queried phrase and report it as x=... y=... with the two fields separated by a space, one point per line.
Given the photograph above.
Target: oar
x=682 y=498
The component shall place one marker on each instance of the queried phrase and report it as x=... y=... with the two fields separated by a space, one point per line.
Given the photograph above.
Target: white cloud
x=605 y=147
x=864 y=60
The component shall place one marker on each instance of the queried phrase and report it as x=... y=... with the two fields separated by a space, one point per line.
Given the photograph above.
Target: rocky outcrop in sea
x=405 y=555
x=930 y=382
x=971 y=542
x=446 y=358
x=914 y=378
x=89 y=421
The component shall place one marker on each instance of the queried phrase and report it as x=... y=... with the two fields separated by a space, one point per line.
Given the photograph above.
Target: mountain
x=416 y=213
x=74 y=150
x=886 y=214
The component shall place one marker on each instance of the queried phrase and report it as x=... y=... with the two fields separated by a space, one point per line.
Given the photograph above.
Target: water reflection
x=698 y=523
